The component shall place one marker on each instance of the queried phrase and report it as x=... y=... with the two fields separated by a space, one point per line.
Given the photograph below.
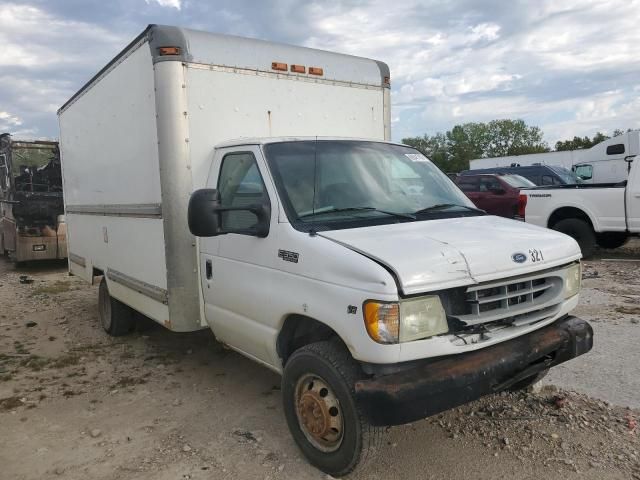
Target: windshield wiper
x=442 y=206
x=358 y=209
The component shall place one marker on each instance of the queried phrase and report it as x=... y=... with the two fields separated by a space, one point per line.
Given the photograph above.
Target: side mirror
x=206 y=220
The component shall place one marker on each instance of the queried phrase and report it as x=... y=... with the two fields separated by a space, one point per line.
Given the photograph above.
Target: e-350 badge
x=288 y=256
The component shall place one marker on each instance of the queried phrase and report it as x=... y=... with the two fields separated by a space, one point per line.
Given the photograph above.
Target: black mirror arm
x=262 y=212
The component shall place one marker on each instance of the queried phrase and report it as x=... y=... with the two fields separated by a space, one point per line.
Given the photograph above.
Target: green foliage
x=451 y=151
x=578 y=143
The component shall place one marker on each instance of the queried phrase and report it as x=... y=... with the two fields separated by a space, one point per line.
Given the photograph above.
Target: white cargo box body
x=138 y=138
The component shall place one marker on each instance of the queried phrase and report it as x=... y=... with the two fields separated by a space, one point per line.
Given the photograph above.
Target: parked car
x=495 y=194
x=538 y=174
x=354 y=268
x=604 y=214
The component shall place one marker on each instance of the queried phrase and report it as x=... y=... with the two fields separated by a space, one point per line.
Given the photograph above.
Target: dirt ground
x=77 y=404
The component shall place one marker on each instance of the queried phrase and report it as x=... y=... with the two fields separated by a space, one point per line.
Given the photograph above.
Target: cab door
x=237 y=268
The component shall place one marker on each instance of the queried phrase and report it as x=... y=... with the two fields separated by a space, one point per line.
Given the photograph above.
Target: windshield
x=566 y=175
x=517 y=181
x=335 y=181
x=31 y=157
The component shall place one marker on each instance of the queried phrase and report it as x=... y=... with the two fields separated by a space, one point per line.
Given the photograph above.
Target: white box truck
x=208 y=183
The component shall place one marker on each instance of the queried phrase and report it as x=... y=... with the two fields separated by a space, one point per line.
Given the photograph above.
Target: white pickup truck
x=353 y=267
x=593 y=214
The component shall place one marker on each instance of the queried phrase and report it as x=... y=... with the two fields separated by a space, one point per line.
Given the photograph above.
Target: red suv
x=494 y=193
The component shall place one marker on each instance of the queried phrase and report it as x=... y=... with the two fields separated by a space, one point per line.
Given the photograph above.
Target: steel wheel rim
x=319 y=413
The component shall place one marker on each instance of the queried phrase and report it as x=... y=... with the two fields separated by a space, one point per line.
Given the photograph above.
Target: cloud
x=570 y=67
x=167 y=3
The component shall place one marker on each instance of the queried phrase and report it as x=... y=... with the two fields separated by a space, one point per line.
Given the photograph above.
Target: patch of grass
x=20 y=348
x=628 y=310
x=55 y=288
x=65 y=361
x=34 y=362
x=128 y=382
x=10 y=403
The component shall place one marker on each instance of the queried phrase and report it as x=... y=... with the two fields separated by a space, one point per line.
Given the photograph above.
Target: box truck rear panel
x=139 y=138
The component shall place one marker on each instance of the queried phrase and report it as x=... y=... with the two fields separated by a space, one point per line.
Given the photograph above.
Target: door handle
x=208 y=267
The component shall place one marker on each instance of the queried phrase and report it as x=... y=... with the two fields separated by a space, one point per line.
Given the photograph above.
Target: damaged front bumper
x=436 y=385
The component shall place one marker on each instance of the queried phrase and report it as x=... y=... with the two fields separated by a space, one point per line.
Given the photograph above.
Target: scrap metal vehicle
x=31 y=207
x=352 y=266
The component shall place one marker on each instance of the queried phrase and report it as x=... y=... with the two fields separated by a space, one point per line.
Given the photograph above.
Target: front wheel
x=581 y=232
x=320 y=408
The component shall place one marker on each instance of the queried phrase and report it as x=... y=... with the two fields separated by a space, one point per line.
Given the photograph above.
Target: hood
x=438 y=254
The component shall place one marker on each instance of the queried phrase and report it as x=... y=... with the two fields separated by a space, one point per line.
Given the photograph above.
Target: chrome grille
x=519 y=300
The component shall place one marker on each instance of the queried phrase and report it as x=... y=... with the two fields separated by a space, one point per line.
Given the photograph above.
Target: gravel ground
x=76 y=404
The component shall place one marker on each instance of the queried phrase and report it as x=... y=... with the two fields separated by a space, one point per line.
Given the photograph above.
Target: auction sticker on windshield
x=416 y=157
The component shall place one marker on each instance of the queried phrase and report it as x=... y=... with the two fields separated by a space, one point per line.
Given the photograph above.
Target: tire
x=612 y=239
x=528 y=382
x=116 y=318
x=581 y=232
x=318 y=385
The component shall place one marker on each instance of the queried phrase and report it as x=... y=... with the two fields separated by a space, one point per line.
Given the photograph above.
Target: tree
x=585 y=142
x=433 y=147
x=452 y=150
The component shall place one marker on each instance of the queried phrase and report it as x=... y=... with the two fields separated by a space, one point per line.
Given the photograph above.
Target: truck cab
x=362 y=255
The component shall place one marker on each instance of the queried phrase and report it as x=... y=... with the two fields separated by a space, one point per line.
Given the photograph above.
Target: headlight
x=573 y=280
x=406 y=320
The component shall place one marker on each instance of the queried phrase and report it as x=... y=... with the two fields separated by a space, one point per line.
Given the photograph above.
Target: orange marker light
x=169 y=50
x=316 y=71
x=279 y=66
x=298 y=69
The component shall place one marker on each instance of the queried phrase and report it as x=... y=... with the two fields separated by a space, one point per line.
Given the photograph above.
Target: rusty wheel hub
x=314 y=414
x=319 y=413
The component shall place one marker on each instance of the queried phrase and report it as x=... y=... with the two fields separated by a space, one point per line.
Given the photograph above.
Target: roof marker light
x=298 y=69
x=169 y=51
x=279 y=66
x=316 y=71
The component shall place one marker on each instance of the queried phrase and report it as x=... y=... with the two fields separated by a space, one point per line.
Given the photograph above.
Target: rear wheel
x=581 y=232
x=320 y=408
x=612 y=239
x=116 y=318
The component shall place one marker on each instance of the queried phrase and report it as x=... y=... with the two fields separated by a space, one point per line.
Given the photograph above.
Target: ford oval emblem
x=519 y=257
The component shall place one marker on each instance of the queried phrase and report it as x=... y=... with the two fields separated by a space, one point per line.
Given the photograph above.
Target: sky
x=571 y=67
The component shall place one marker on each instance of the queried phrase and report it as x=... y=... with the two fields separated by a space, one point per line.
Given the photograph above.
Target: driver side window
x=239 y=185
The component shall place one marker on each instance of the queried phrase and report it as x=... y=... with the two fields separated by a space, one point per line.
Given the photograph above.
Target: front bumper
x=440 y=384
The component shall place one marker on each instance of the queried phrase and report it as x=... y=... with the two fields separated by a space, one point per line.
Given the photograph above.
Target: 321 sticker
x=536 y=255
